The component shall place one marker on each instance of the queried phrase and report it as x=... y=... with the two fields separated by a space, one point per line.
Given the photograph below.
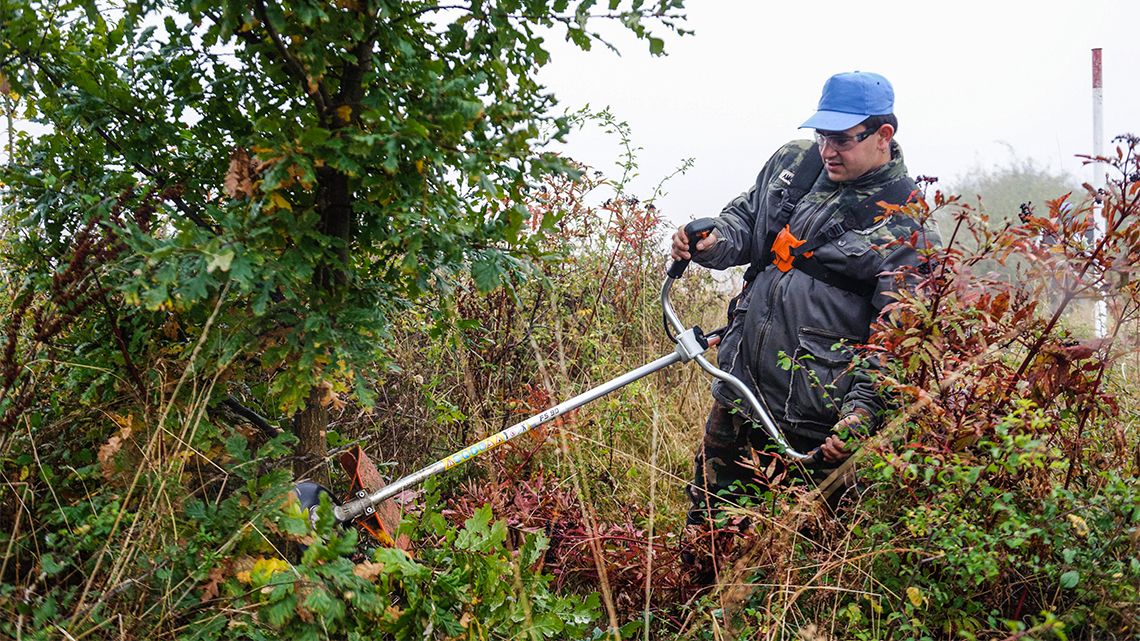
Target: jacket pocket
x=853 y=243
x=852 y=254
x=820 y=377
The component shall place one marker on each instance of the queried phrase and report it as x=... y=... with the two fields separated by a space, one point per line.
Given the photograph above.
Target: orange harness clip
x=782 y=249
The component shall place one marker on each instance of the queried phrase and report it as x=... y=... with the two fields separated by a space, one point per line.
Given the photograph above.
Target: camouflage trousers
x=737 y=461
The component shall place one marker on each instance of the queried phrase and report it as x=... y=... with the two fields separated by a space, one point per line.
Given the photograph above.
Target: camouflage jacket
x=790 y=336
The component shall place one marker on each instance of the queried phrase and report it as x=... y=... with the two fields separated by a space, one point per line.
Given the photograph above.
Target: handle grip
x=697 y=231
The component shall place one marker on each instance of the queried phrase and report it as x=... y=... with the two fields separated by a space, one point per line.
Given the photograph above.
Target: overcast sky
x=972 y=80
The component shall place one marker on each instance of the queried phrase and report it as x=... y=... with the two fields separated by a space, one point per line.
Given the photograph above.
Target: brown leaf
x=1083 y=349
x=329 y=397
x=170 y=328
x=1000 y=305
x=216 y=576
x=240 y=176
x=368 y=570
x=303 y=612
x=813 y=632
x=108 y=450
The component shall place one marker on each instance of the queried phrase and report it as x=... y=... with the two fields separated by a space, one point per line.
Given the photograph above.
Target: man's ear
x=886 y=135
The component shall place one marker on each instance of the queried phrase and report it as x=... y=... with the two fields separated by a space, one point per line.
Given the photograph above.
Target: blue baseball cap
x=849 y=98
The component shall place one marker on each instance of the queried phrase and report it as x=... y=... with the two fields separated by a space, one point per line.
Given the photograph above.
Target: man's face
x=849 y=154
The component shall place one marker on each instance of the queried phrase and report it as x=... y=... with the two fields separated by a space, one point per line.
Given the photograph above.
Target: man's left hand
x=834 y=448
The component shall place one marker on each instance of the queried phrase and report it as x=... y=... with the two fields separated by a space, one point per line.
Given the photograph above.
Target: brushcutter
x=369 y=505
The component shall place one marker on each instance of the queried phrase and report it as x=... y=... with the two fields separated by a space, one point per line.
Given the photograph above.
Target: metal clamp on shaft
x=691 y=343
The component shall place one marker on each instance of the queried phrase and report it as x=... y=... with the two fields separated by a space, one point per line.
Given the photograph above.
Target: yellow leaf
x=420 y=166
x=264 y=569
x=914 y=595
x=1079 y=525
x=344 y=112
x=7 y=90
x=279 y=201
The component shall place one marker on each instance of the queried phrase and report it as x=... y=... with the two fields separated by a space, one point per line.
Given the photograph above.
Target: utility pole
x=1098 y=182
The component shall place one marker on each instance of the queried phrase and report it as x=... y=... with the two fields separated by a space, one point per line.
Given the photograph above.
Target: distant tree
x=296 y=171
x=1000 y=190
x=1002 y=194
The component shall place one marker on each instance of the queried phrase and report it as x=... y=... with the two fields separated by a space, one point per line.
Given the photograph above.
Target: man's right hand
x=680 y=249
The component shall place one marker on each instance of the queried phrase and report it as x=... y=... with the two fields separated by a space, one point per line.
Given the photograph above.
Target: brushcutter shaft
x=354 y=509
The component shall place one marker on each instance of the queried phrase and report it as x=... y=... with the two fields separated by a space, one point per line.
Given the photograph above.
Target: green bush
x=963 y=544
x=461 y=582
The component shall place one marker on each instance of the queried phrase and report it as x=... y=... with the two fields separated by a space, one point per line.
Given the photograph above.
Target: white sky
x=972 y=79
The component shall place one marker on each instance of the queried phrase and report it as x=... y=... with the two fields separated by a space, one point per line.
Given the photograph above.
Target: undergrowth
x=999 y=502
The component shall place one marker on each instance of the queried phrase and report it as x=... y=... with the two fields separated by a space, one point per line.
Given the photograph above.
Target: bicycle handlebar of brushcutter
x=697 y=231
x=691 y=343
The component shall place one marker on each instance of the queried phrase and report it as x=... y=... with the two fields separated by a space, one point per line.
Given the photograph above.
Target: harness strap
x=802 y=181
x=817 y=271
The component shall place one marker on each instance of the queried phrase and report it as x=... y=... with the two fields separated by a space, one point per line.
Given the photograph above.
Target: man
x=824 y=258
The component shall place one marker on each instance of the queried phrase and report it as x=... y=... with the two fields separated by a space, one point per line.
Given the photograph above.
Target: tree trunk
x=310 y=425
x=334 y=204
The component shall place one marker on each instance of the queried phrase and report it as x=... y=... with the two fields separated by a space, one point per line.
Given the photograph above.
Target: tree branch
x=253 y=417
x=291 y=62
